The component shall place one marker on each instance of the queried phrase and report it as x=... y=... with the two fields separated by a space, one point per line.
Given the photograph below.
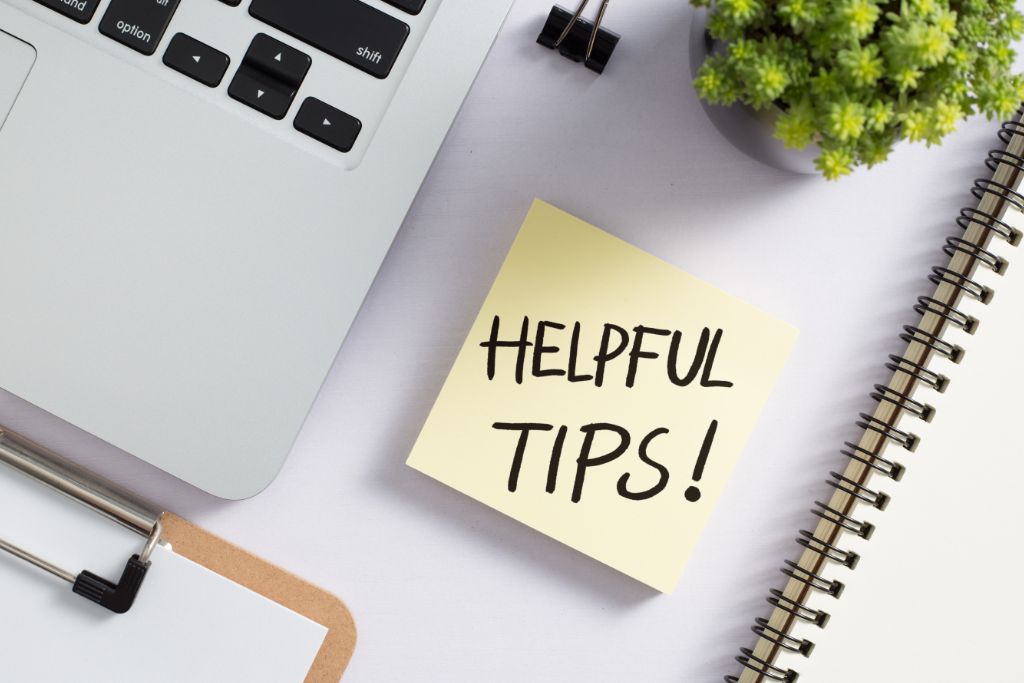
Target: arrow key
x=196 y=60
x=261 y=91
x=281 y=61
x=330 y=126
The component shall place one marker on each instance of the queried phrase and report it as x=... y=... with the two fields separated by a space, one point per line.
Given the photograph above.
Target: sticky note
x=602 y=396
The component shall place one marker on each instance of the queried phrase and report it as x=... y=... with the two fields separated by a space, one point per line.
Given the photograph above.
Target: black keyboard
x=270 y=74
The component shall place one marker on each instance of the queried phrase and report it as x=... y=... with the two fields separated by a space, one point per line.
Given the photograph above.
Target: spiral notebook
x=911 y=572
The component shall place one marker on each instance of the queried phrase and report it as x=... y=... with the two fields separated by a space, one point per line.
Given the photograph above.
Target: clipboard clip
x=578 y=39
x=50 y=469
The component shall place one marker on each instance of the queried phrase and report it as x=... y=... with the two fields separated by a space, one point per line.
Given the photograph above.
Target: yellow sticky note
x=602 y=396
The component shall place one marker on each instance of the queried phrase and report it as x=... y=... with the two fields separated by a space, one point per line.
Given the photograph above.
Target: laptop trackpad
x=16 y=59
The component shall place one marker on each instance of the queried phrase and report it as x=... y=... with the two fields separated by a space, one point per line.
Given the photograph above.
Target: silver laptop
x=195 y=196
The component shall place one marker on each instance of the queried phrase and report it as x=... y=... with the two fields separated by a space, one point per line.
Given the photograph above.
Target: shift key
x=350 y=30
x=139 y=24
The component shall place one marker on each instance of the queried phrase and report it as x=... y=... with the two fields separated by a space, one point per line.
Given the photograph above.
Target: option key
x=138 y=24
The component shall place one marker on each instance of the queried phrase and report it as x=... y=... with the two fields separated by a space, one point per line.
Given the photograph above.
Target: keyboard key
x=79 y=10
x=139 y=24
x=350 y=30
x=330 y=126
x=196 y=60
x=261 y=91
x=410 y=6
x=279 y=60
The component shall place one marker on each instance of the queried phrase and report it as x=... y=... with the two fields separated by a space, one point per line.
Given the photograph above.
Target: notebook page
x=937 y=594
x=188 y=624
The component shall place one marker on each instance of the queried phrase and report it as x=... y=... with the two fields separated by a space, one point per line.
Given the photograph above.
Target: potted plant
x=853 y=77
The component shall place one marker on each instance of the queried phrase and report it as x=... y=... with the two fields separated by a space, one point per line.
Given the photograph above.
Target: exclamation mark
x=693 y=493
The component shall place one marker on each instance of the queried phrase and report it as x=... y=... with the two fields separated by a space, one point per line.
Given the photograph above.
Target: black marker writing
x=692 y=493
x=617 y=346
x=601 y=445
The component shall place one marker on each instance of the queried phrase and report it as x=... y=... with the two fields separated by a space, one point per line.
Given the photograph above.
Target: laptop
x=195 y=197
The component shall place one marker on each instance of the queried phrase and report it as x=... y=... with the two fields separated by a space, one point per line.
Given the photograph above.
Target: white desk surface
x=444 y=589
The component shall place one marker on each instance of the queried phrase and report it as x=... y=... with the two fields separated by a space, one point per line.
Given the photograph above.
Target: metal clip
x=50 y=469
x=578 y=39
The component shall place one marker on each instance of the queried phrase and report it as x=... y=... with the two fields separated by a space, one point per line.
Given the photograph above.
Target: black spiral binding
x=903 y=404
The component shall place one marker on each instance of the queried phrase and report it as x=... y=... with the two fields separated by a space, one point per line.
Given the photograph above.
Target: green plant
x=854 y=76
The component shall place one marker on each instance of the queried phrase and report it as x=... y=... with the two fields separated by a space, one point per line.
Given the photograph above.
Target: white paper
x=188 y=624
x=937 y=594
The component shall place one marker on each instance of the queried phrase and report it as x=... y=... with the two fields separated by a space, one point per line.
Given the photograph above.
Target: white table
x=445 y=589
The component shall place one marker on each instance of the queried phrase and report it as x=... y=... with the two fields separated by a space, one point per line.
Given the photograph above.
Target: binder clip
x=579 y=39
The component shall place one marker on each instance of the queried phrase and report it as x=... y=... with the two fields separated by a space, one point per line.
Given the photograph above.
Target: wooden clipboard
x=186 y=540
x=272 y=582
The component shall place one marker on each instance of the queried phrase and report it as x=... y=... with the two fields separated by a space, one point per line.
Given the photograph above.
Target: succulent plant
x=854 y=76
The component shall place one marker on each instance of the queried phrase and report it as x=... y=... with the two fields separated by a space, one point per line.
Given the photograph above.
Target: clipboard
x=186 y=540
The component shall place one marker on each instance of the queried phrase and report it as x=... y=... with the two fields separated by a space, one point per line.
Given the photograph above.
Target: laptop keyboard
x=269 y=76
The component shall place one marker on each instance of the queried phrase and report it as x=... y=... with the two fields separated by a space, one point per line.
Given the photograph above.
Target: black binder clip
x=579 y=39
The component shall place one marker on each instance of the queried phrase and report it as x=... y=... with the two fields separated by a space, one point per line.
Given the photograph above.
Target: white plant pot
x=749 y=130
